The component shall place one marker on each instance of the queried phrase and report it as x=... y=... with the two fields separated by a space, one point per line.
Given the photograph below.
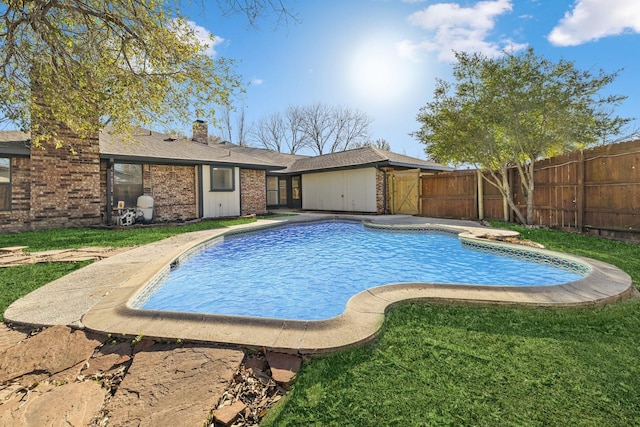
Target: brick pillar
x=65 y=189
x=253 y=191
x=65 y=181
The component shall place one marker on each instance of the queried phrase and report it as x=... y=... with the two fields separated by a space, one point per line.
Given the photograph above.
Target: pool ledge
x=97 y=297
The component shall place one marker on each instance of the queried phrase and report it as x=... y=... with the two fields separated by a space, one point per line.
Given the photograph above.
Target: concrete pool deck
x=97 y=297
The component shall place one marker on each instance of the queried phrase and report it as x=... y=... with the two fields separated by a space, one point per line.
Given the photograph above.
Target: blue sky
x=382 y=56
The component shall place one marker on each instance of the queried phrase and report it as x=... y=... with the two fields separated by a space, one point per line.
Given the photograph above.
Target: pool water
x=309 y=272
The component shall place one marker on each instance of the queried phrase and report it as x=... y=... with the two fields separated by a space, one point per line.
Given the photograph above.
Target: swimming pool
x=309 y=271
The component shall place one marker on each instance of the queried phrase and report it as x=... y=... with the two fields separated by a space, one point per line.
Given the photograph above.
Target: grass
x=67 y=238
x=443 y=365
x=16 y=282
x=485 y=366
x=623 y=255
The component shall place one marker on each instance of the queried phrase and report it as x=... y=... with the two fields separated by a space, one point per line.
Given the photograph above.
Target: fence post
x=480 y=195
x=580 y=192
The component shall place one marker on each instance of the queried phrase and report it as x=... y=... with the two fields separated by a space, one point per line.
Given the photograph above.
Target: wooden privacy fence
x=596 y=191
x=405 y=192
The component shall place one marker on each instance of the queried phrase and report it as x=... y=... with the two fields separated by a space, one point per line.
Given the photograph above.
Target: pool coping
x=98 y=297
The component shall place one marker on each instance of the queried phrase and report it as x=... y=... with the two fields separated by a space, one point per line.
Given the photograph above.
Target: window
x=127 y=184
x=283 y=191
x=272 y=190
x=5 y=184
x=222 y=179
x=295 y=188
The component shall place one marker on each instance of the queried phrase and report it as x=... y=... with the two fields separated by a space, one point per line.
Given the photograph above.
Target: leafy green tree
x=513 y=110
x=83 y=64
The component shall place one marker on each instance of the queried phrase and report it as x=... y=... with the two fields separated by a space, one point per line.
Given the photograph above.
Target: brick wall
x=57 y=189
x=253 y=191
x=173 y=189
x=18 y=218
x=65 y=187
x=381 y=197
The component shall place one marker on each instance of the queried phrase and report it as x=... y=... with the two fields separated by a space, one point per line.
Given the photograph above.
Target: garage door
x=352 y=190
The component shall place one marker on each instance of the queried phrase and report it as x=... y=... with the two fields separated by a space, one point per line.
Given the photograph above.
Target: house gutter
x=188 y=162
x=423 y=167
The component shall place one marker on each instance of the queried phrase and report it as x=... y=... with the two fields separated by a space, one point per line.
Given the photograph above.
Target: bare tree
x=226 y=127
x=270 y=132
x=224 y=123
x=281 y=132
x=214 y=139
x=351 y=127
x=295 y=136
x=254 y=10
x=336 y=128
x=175 y=133
x=241 y=129
x=317 y=125
x=379 y=143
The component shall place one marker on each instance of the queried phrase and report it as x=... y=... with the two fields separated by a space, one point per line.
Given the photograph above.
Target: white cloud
x=456 y=28
x=205 y=38
x=593 y=19
x=257 y=82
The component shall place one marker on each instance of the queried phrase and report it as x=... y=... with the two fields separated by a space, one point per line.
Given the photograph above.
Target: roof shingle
x=149 y=146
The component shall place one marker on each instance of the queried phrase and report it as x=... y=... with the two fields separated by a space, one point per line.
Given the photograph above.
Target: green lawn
x=486 y=366
x=66 y=238
x=16 y=282
x=440 y=364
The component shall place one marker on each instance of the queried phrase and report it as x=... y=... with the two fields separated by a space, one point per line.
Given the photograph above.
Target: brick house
x=354 y=180
x=44 y=187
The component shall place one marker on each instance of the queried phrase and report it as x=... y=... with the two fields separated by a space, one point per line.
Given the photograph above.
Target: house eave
x=438 y=168
x=15 y=150
x=385 y=163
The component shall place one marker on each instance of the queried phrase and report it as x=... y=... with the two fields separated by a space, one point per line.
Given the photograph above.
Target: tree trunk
x=501 y=182
x=530 y=194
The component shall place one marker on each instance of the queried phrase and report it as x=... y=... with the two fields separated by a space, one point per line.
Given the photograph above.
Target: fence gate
x=405 y=192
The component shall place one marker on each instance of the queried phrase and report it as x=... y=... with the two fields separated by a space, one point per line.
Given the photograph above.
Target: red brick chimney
x=200 y=132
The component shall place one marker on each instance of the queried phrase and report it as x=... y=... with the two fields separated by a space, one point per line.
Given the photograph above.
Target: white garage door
x=352 y=190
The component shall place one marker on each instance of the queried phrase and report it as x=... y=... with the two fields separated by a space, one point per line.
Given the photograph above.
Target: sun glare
x=377 y=73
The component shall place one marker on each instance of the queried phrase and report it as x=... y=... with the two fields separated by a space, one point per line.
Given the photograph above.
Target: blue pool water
x=308 y=272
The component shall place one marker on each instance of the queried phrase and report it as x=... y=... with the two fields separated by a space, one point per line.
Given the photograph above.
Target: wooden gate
x=405 y=192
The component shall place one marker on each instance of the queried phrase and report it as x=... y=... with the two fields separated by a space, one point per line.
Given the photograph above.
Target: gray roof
x=283 y=159
x=149 y=146
x=360 y=157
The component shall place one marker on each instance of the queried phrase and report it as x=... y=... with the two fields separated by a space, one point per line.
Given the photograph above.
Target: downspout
x=200 y=195
x=239 y=186
x=109 y=190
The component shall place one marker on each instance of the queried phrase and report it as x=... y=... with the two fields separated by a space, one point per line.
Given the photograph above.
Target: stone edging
x=98 y=297
x=364 y=313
